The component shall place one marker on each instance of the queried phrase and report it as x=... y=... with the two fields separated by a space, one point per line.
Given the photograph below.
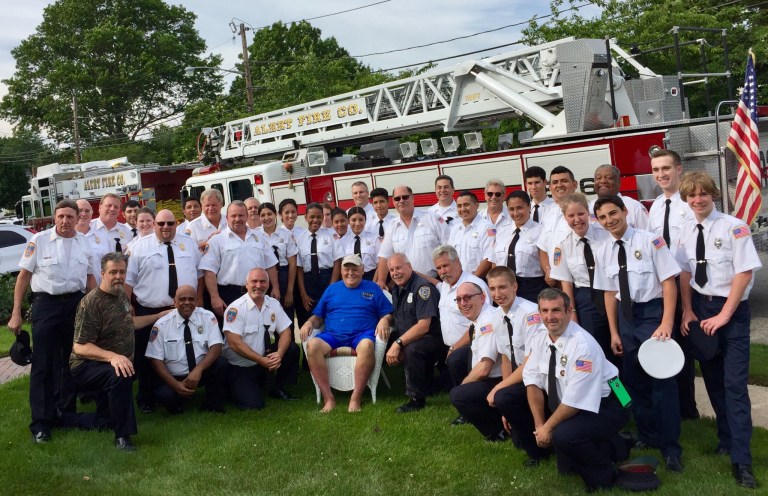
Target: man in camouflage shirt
x=102 y=353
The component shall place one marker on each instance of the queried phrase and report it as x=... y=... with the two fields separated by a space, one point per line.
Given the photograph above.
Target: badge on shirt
x=231 y=315
x=564 y=360
x=486 y=329
x=659 y=243
x=424 y=292
x=153 y=334
x=558 y=255
x=583 y=365
x=273 y=316
x=187 y=232
x=718 y=243
x=533 y=319
x=181 y=246
x=122 y=235
x=638 y=254
x=741 y=232
x=410 y=298
x=30 y=250
x=474 y=234
x=199 y=329
x=367 y=295
x=96 y=239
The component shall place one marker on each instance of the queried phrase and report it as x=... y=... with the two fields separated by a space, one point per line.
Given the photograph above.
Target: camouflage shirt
x=105 y=320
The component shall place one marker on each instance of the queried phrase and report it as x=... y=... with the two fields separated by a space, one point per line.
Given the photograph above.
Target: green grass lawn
x=290 y=448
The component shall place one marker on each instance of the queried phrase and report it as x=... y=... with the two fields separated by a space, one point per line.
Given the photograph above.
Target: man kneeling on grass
x=354 y=312
x=102 y=353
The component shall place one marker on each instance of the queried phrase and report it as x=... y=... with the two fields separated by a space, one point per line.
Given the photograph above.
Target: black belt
x=64 y=296
x=234 y=287
x=711 y=298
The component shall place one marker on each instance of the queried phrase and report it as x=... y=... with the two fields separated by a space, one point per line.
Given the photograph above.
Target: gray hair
x=495 y=182
x=550 y=294
x=112 y=257
x=449 y=250
x=614 y=170
x=212 y=192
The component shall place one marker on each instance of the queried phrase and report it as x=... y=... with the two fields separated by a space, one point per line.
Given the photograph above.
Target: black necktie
x=277 y=253
x=269 y=347
x=191 y=362
x=665 y=235
x=701 y=258
x=626 y=301
x=448 y=220
x=313 y=255
x=589 y=258
x=535 y=213
x=118 y=248
x=381 y=228
x=471 y=338
x=511 y=263
x=173 y=282
x=552 y=400
x=357 y=247
x=510 y=333
x=134 y=231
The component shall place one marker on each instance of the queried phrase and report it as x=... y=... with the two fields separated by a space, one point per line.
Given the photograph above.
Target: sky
x=385 y=25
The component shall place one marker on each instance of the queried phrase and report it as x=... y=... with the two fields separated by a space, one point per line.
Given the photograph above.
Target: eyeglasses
x=491 y=194
x=402 y=197
x=169 y=223
x=466 y=299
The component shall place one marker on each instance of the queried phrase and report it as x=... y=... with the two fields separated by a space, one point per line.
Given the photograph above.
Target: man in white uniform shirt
x=107 y=234
x=211 y=222
x=473 y=237
x=446 y=205
x=536 y=186
x=607 y=183
x=494 y=211
x=379 y=222
x=360 y=197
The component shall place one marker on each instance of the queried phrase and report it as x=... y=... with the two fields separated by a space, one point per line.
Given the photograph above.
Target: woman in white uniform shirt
x=282 y=242
x=369 y=242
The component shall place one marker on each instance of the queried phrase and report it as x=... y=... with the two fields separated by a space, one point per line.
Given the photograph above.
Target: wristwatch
x=399 y=341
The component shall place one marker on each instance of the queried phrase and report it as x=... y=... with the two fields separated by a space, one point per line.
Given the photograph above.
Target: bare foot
x=354 y=406
x=328 y=406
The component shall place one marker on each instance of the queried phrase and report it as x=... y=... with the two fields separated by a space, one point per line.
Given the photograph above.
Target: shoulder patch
x=486 y=329
x=231 y=314
x=153 y=334
x=491 y=232
x=659 y=243
x=558 y=255
x=424 y=292
x=583 y=365
x=741 y=232
x=533 y=319
x=30 y=250
x=187 y=231
x=214 y=321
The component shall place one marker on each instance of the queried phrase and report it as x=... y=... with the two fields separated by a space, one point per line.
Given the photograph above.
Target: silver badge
x=638 y=255
x=410 y=298
x=718 y=243
x=199 y=329
x=564 y=360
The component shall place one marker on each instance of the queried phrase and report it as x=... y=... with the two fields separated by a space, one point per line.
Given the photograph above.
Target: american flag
x=743 y=142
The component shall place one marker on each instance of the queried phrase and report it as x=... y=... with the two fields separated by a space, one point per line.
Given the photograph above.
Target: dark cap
x=637 y=477
x=702 y=347
x=21 y=351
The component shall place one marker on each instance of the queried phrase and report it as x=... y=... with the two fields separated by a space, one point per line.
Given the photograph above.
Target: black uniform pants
x=512 y=402
x=314 y=285
x=470 y=400
x=114 y=404
x=420 y=359
x=246 y=384
x=458 y=364
x=214 y=379
x=145 y=374
x=50 y=382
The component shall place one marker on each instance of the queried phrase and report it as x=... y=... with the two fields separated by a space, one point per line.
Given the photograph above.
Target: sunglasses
x=466 y=299
x=491 y=194
x=169 y=223
x=403 y=198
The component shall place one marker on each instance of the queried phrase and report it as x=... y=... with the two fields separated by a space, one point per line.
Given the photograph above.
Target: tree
x=17 y=156
x=648 y=23
x=124 y=59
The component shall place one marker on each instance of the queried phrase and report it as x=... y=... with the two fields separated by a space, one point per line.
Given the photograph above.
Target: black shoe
x=41 y=437
x=722 y=451
x=124 y=443
x=498 y=438
x=411 y=406
x=673 y=463
x=743 y=475
x=282 y=394
x=460 y=420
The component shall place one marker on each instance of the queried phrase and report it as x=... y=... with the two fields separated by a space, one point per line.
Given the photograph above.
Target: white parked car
x=13 y=241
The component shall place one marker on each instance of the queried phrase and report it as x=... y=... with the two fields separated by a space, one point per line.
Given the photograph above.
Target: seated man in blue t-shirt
x=353 y=311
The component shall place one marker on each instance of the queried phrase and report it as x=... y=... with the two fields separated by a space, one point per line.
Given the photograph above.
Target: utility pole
x=247 y=69
x=75 y=128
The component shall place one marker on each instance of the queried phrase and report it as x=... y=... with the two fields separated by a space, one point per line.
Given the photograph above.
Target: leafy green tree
x=17 y=157
x=124 y=59
x=647 y=24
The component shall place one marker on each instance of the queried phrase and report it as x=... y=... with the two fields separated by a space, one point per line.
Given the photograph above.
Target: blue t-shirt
x=347 y=312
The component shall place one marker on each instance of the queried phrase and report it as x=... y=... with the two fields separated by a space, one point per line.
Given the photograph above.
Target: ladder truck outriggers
x=587 y=110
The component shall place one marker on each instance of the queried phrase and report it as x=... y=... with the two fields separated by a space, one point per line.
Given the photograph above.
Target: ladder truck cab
x=151 y=185
x=588 y=112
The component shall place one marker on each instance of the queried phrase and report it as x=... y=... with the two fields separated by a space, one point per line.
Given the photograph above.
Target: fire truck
x=587 y=110
x=151 y=185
